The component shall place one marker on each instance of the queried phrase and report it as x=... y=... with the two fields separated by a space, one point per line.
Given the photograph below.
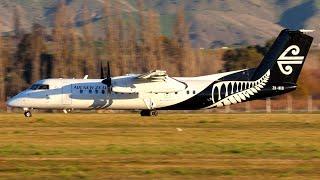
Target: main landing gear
x=149 y=113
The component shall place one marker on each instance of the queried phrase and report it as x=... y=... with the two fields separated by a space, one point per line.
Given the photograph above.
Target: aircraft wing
x=158 y=81
x=155 y=81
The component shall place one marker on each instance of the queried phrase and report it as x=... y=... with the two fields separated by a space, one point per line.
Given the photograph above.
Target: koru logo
x=285 y=62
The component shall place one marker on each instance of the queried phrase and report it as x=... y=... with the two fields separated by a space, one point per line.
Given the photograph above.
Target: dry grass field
x=171 y=146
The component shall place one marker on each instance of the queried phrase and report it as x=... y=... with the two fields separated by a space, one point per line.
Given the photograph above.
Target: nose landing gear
x=27 y=114
x=149 y=113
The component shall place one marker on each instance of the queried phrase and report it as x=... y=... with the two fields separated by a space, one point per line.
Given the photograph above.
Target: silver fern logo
x=232 y=92
x=285 y=62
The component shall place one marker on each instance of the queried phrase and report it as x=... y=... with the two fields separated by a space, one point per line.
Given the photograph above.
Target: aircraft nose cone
x=10 y=102
x=13 y=102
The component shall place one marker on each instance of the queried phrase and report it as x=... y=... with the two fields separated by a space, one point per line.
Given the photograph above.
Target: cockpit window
x=34 y=86
x=44 y=86
x=39 y=86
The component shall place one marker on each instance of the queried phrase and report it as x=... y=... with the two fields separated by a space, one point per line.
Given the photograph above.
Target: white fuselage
x=92 y=94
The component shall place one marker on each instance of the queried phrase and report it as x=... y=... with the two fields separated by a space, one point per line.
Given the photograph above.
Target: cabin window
x=103 y=91
x=216 y=94
x=96 y=91
x=81 y=91
x=176 y=92
x=229 y=89
x=223 y=91
x=188 y=92
x=90 y=91
x=194 y=92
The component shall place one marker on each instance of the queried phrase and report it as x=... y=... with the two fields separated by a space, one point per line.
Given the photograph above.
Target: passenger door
x=66 y=93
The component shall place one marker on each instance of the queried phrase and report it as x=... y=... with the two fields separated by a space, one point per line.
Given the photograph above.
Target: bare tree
x=37 y=47
x=153 y=41
x=108 y=27
x=59 y=40
x=89 y=50
x=114 y=38
x=119 y=43
x=75 y=55
x=142 y=59
x=2 y=72
x=109 y=35
x=17 y=27
x=181 y=35
x=132 y=45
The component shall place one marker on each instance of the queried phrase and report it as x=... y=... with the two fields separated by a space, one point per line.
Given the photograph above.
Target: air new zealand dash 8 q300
x=277 y=74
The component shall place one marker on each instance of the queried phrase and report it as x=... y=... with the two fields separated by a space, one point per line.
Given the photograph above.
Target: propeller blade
x=101 y=71
x=109 y=83
x=109 y=71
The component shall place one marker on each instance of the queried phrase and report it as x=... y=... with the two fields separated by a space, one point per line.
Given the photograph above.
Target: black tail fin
x=285 y=58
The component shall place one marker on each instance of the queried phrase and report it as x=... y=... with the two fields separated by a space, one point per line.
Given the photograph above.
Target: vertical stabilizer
x=285 y=58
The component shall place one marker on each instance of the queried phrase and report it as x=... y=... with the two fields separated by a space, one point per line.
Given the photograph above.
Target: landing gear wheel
x=27 y=114
x=154 y=113
x=145 y=113
x=149 y=113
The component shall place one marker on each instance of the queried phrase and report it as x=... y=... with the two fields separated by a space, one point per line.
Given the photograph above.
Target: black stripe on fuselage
x=204 y=98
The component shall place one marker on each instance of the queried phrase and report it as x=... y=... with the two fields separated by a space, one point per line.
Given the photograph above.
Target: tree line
x=132 y=43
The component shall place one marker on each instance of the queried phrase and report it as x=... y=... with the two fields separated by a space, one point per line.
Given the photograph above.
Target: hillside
x=212 y=23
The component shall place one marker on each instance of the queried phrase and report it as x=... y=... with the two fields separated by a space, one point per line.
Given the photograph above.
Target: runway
x=170 y=146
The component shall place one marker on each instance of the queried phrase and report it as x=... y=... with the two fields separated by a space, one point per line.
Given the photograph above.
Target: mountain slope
x=212 y=23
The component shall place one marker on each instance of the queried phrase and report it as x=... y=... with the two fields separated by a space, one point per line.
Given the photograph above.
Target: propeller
x=107 y=81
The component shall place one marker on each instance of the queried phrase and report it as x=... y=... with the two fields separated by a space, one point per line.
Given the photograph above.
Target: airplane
x=277 y=74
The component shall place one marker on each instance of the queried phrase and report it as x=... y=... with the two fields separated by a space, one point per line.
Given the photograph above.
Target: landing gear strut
x=27 y=113
x=149 y=113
